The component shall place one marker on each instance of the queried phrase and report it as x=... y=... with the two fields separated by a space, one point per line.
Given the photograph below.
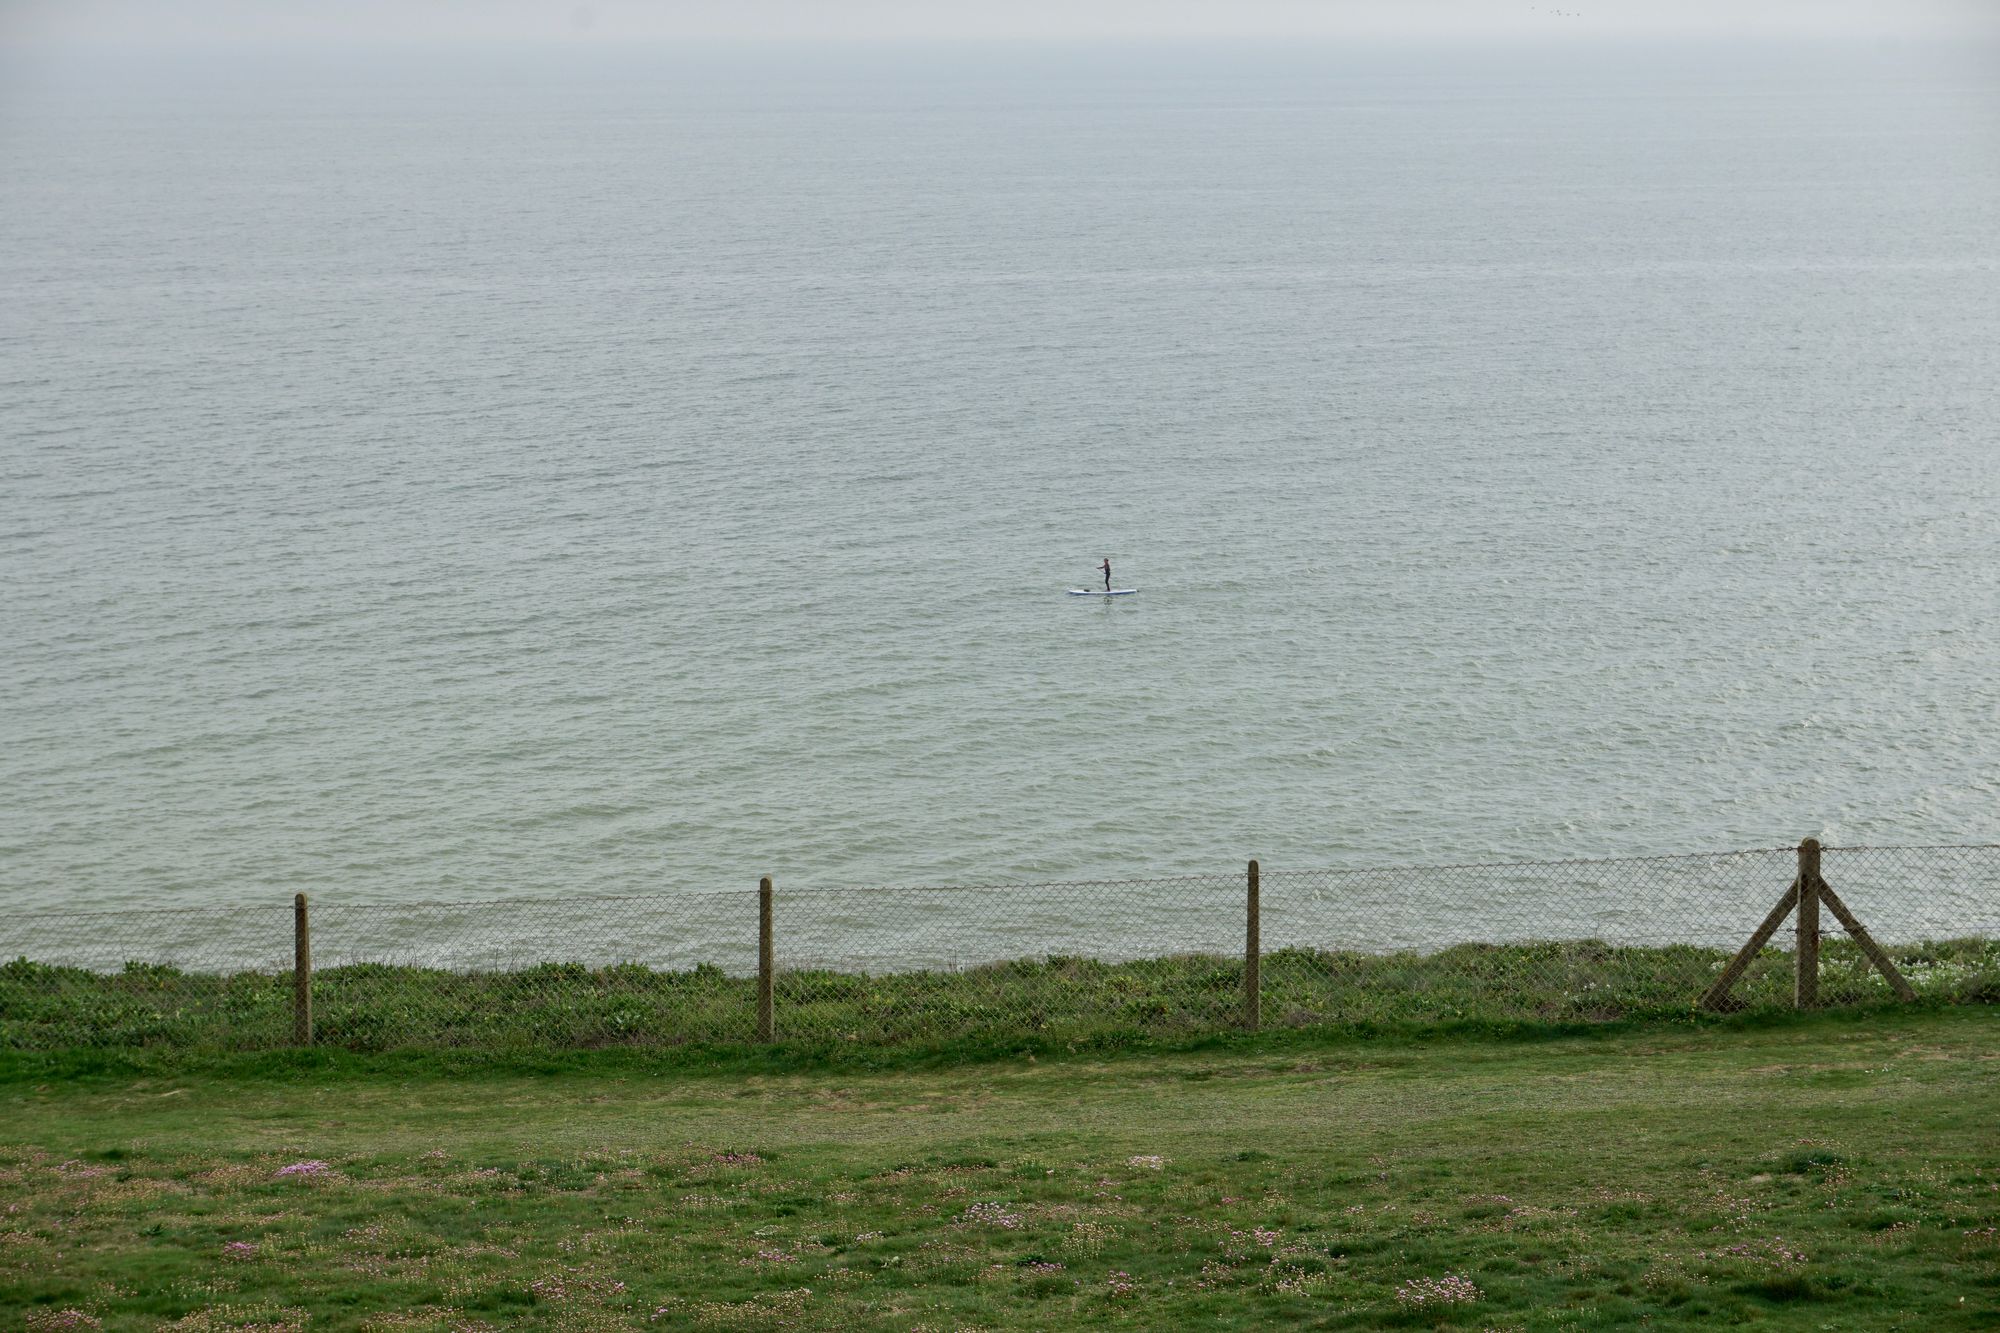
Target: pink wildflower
x=53 y=1320
x=309 y=1168
x=1451 y=1289
x=239 y=1249
x=991 y=1214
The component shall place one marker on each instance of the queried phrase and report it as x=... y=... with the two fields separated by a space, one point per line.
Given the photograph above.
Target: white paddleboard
x=1101 y=592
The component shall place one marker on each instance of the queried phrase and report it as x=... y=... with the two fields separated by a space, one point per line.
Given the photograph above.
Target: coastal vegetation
x=1044 y=1006
x=1830 y=1171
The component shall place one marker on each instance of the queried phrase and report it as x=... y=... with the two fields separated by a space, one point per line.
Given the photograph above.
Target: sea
x=539 y=473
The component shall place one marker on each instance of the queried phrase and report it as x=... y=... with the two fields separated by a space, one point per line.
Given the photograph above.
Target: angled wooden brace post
x=1859 y=933
x=1718 y=993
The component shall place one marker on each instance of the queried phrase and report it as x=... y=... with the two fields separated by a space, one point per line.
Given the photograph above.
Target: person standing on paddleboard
x=1107 y=573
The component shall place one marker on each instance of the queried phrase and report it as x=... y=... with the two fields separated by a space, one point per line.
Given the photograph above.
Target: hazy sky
x=33 y=23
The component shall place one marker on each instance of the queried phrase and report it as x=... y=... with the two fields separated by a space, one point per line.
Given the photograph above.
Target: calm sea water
x=550 y=476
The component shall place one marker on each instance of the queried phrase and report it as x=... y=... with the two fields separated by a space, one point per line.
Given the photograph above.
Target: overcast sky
x=41 y=23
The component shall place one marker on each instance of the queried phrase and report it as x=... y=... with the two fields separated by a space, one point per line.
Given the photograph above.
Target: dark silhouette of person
x=1107 y=573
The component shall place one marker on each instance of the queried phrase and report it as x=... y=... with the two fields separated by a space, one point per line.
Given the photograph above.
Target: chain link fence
x=1068 y=962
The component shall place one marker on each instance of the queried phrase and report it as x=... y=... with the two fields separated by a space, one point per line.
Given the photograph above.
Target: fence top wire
x=572 y=901
x=1016 y=886
x=1235 y=876
x=1915 y=847
x=349 y=905
x=1565 y=864
x=131 y=913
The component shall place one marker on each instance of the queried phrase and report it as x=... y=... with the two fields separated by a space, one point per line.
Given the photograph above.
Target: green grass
x=1831 y=1172
x=1053 y=1005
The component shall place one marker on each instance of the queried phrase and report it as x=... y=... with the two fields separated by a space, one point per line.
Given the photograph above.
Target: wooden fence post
x=765 y=962
x=1808 y=893
x=1805 y=989
x=302 y=973
x=1252 y=955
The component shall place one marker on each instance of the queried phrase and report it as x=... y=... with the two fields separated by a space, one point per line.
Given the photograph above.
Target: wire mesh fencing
x=1069 y=962
x=206 y=977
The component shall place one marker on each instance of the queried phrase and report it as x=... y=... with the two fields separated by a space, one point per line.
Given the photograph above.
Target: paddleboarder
x=1107 y=573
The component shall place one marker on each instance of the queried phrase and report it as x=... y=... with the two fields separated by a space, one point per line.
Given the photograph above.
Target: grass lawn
x=1840 y=1172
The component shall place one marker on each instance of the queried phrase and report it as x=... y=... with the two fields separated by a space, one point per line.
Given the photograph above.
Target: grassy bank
x=1836 y=1172
x=1057 y=1004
